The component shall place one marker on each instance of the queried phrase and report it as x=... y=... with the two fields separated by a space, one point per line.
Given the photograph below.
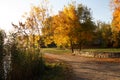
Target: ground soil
x=90 y=68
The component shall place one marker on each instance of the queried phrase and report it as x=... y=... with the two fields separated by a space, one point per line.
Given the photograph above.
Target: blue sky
x=12 y=10
x=100 y=8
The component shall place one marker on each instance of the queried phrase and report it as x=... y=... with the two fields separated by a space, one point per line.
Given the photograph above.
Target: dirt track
x=90 y=68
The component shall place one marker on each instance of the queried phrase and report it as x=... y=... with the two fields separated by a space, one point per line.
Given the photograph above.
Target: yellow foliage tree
x=70 y=26
x=29 y=32
x=116 y=22
x=60 y=28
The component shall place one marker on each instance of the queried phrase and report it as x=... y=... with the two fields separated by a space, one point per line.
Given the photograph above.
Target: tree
x=29 y=32
x=2 y=37
x=70 y=26
x=25 y=50
x=48 y=31
x=85 y=31
x=106 y=34
x=59 y=28
x=103 y=34
x=116 y=22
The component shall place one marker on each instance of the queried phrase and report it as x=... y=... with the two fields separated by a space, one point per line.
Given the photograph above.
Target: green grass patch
x=115 y=50
x=55 y=50
x=62 y=51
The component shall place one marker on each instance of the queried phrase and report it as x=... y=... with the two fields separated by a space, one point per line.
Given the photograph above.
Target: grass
x=56 y=50
x=63 y=51
x=55 y=70
x=103 y=50
x=34 y=67
x=61 y=71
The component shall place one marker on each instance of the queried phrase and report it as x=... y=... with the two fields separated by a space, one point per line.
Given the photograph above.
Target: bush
x=25 y=65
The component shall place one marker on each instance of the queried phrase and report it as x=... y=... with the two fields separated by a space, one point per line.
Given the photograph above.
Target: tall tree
x=87 y=26
x=103 y=34
x=71 y=26
x=61 y=26
x=29 y=32
x=116 y=22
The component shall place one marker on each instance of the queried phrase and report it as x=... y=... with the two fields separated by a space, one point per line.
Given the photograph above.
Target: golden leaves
x=117 y=2
x=116 y=16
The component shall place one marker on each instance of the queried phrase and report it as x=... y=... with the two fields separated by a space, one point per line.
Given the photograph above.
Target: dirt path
x=90 y=68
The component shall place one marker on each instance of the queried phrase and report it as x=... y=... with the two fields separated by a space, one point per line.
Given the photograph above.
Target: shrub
x=25 y=65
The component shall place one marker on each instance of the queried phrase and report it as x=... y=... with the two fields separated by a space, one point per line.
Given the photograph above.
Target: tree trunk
x=72 y=48
x=80 y=46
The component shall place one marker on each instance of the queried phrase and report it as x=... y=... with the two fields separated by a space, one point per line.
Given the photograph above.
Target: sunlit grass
x=56 y=50
x=63 y=51
x=103 y=50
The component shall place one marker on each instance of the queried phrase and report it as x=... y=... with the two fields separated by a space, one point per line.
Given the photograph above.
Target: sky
x=12 y=10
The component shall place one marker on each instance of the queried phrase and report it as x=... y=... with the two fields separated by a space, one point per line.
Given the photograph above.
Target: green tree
x=85 y=31
x=103 y=34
